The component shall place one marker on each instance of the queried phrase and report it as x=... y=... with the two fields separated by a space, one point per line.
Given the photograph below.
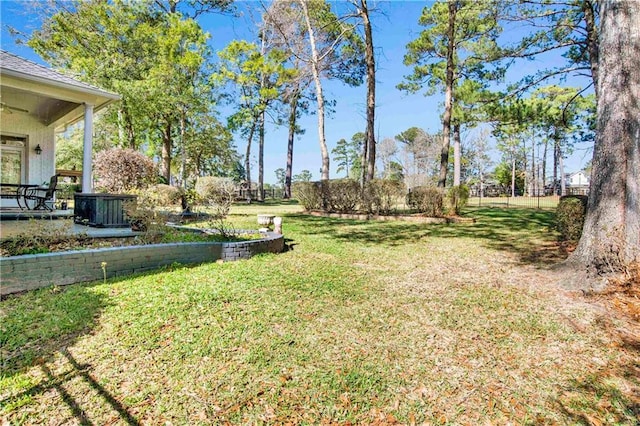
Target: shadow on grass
x=528 y=233
x=39 y=324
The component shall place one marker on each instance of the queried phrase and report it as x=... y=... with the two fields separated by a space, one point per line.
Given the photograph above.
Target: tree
x=369 y=147
x=479 y=160
x=332 y=50
x=280 y=177
x=459 y=40
x=611 y=233
x=570 y=26
x=303 y=176
x=152 y=58
x=345 y=155
x=420 y=150
x=287 y=34
x=256 y=78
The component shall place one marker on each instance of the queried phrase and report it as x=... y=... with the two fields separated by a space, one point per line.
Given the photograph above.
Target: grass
x=358 y=322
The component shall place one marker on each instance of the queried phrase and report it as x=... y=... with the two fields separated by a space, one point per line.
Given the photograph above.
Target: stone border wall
x=29 y=272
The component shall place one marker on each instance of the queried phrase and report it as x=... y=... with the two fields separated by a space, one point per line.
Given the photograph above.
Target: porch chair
x=41 y=194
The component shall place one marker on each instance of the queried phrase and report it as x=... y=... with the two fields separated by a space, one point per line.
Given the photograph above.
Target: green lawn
x=358 y=322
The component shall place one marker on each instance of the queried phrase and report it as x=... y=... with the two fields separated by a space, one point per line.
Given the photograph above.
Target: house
x=577 y=183
x=578 y=179
x=35 y=102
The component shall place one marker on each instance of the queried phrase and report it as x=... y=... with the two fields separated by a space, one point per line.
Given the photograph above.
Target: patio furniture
x=15 y=191
x=40 y=195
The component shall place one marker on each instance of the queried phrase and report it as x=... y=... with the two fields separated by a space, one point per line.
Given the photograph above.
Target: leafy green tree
x=303 y=176
x=459 y=41
x=254 y=80
x=568 y=26
x=345 y=154
x=152 y=58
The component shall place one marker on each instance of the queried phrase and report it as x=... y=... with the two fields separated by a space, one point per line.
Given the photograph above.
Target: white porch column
x=87 y=149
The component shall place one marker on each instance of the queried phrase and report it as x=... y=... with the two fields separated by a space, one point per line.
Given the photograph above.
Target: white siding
x=39 y=168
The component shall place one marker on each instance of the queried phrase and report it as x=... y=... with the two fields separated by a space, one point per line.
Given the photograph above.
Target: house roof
x=17 y=66
x=49 y=96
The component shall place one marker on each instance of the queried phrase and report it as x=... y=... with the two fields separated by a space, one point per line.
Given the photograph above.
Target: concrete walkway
x=16 y=221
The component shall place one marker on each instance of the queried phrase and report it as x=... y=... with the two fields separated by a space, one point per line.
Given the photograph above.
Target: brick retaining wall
x=29 y=272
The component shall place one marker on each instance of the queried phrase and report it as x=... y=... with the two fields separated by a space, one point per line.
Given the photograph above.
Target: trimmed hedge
x=427 y=200
x=570 y=215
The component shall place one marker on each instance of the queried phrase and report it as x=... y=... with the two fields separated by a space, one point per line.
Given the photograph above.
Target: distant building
x=577 y=183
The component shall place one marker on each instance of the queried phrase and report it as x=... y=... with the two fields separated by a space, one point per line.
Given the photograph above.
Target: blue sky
x=395 y=112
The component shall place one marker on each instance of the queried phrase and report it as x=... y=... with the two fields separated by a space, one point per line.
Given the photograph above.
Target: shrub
x=427 y=200
x=381 y=195
x=457 y=197
x=123 y=170
x=308 y=195
x=164 y=195
x=217 y=193
x=341 y=195
x=570 y=217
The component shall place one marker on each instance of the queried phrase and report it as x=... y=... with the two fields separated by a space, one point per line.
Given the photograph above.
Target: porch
x=13 y=220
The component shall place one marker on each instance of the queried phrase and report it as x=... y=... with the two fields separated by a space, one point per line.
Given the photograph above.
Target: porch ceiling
x=45 y=109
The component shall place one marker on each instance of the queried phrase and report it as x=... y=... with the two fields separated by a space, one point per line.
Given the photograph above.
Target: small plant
x=218 y=194
x=570 y=217
x=457 y=197
x=427 y=200
x=103 y=265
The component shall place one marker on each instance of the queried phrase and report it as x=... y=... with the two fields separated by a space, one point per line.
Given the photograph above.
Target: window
x=12 y=155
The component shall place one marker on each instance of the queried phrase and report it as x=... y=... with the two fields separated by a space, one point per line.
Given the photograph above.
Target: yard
x=357 y=323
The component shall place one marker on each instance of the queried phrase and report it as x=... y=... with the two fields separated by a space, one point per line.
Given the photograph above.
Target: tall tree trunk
x=544 y=166
x=556 y=154
x=315 y=71
x=183 y=153
x=563 y=178
x=612 y=223
x=247 y=156
x=457 y=155
x=513 y=172
x=448 y=97
x=166 y=152
x=293 y=111
x=370 y=140
x=588 y=8
x=261 y=158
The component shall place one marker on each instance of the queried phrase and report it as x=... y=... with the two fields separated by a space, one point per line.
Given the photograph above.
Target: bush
x=308 y=195
x=341 y=195
x=570 y=217
x=123 y=170
x=381 y=195
x=427 y=200
x=217 y=193
x=162 y=195
x=457 y=197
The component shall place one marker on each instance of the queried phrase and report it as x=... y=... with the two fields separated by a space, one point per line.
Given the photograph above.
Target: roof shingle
x=9 y=61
